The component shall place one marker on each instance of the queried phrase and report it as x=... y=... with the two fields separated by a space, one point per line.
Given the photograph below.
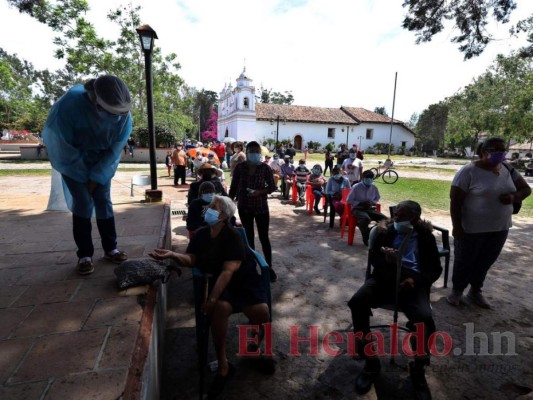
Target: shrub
x=164 y=136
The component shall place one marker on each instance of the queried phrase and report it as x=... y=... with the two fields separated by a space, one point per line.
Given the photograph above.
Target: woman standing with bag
x=481 y=206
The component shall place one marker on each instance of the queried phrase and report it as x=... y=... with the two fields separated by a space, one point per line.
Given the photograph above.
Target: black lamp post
x=277 y=127
x=147 y=36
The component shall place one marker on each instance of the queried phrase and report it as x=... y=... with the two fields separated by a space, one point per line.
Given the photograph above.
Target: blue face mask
x=352 y=156
x=398 y=225
x=254 y=158
x=368 y=181
x=315 y=171
x=207 y=197
x=211 y=216
x=337 y=177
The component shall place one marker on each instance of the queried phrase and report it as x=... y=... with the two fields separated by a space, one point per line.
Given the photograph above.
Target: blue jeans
x=318 y=195
x=83 y=204
x=474 y=254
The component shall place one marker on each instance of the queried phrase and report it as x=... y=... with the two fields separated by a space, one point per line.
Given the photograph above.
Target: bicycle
x=388 y=175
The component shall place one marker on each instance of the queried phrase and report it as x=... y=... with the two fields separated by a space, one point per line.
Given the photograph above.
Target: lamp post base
x=153 y=196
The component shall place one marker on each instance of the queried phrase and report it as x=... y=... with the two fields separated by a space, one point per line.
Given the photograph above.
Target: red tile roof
x=267 y=112
x=363 y=115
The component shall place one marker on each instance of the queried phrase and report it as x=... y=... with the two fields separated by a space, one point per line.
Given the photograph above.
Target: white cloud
x=327 y=52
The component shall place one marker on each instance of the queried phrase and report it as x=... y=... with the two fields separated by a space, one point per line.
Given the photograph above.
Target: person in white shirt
x=363 y=199
x=352 y=168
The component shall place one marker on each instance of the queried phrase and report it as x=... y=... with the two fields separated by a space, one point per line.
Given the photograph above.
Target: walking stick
x=204 y=339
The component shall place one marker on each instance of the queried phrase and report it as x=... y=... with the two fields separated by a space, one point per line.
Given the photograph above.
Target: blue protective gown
x=81 y=142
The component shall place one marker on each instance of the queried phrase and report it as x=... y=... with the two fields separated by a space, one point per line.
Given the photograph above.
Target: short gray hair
x=227 y=206
x=412 y=207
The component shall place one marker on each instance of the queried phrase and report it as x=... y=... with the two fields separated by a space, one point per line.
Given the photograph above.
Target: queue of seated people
x=211 y=210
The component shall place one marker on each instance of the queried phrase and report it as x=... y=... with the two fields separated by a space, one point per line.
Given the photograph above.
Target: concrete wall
x=139 y=154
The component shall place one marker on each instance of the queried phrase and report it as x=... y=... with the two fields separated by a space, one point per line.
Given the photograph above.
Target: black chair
x=444 y=247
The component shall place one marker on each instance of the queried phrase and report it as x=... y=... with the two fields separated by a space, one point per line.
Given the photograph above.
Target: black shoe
x=273 y=275
x=418 y=380
x=219 y=383
x=317 y=211
x=366 y=378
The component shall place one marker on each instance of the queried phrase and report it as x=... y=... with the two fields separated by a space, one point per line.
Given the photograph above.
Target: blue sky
x=327 y=52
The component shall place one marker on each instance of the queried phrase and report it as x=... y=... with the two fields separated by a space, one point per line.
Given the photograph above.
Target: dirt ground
x=318 y=273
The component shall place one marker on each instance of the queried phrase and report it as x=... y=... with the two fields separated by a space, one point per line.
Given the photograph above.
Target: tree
x=381 y=110
x=211 y=132
x=268 y=96
x=88 y=55
x=426 y=18
x=499 y=102
x=431 y=127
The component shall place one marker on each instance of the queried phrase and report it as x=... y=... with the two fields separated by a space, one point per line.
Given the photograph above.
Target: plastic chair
x=351 y=221
x=310 y=199
x=444 y=248
x=294 y=190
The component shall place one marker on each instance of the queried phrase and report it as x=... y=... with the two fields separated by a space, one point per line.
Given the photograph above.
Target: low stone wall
x=29 y=152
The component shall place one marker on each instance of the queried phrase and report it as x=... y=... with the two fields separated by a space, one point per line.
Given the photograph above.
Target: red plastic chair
x=310 y=199
x=348 y=219
x=294 y=190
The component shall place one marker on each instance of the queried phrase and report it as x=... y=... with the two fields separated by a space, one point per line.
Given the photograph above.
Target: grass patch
x=25 y=172
x=430 y=194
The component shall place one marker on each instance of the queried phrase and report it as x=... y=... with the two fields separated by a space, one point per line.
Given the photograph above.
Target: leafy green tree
x=499 y=102
x=381 y=110
x=268 y=96
x=431 y=127
x=426 y=18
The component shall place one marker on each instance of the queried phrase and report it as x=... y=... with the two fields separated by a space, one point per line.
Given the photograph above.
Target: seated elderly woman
x=197 y=206
x=218 y=249
x=317 y=182
x=336 y=183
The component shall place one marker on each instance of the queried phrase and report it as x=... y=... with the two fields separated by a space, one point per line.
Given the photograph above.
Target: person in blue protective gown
x=85 y=132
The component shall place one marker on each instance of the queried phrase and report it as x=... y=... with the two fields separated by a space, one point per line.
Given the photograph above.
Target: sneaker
x=85 y=267
x=219 y=383
x=455 y=298
x=477 y=298
x=273 y=275
x=116 y=256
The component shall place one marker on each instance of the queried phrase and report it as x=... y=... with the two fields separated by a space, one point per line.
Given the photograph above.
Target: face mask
x=211 y=216
x=398 y=225
x=108 y=117
x=496 y=158
x=337 y=177
x=302 y=165
x=291 y=162
x=254 y=158
x=207 y=197
x=315 y=172
x=352 y=156
x=368 y=181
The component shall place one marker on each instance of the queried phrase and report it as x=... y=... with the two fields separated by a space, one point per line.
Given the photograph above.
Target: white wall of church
x=319 y=133
x=241 y=128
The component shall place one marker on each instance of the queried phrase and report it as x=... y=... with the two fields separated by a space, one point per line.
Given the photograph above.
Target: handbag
x=517 y=205
x=142 y=271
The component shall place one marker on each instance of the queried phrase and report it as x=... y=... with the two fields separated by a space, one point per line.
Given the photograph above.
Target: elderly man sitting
x=218 y=249
x=420 y=267
x=363 y=199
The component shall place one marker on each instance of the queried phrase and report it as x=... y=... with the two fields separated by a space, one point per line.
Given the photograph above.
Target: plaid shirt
x=261 y=179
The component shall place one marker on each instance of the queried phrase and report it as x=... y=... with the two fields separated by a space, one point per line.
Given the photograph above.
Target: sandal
x=116 y=257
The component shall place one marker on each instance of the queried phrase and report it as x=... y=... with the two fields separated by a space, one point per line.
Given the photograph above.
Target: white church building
x=242 y=118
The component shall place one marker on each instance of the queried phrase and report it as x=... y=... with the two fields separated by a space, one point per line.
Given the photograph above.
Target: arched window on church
x=227 y=133
x=246 y=103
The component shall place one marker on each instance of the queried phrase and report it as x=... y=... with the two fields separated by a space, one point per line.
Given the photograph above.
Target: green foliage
x=431 y=127
x=426 y=18
x=330 y=146
x=381 y=110
x=268 y=96
x=314 y=145
x=499 y=102
x=164 y=136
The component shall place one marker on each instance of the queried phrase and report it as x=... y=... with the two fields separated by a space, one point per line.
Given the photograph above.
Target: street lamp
x=147 y=36
x=277 y=127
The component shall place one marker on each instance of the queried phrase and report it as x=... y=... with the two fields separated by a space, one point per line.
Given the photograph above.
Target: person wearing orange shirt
x=179 y=159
